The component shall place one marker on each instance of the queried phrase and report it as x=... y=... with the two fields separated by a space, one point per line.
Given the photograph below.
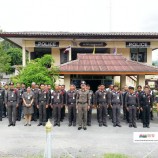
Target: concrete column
x=29 y=56
x=141 y=80
x=23 y=56
x=122 y=81
x=67 y=81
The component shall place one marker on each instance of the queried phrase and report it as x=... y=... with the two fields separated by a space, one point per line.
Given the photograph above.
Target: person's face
x=72 y=87
x=49 y=87
x=83 y=86
x=45 y=87
x=56 y=88
x=6 y=87
x=28 y=90
x=23 y=85
x=33 y=86
x=116 y=88
x=88 y=87
x=59 y=87
x=62 y=87
x=126 y=88
x=131 y=90
x=102 y=87
x=146 y=90
x=139 y=88
x=11 y=86
x=18 y=85
x=42 y=87
x=36 y=86
x=111 y=87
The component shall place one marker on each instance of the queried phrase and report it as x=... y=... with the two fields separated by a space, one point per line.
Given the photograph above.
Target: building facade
x=136 y=47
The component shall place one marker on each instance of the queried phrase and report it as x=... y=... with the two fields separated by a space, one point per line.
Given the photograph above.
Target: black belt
x=82 y=102
x=132 y=105
x=11 y=101
x=57 y=103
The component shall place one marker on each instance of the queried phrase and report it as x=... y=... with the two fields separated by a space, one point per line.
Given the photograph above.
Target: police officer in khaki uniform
x=2 y=100
x=12 y=101
x=56 y=104
x=71 y=104
x=83 y=104
x=132 y=104
x=42 y=104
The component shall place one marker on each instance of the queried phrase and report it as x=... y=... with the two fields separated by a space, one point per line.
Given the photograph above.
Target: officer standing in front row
x=56 y=104
x=146 y=103
x=42 y=104
x=71 y=104
x=132 y=104
x=12 y=104
x=2 y=100
x=116 y=103
x=102 y=100
x=83 y=104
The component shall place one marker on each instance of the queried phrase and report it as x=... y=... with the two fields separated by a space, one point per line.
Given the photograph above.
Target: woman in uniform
x=28 y=98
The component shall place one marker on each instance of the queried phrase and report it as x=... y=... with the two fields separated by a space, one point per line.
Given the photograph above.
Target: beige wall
x=149 y=56
x=67 y=81
x=56 y=55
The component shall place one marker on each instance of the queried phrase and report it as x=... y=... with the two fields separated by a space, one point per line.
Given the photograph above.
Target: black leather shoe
x=114 y=125
x=70 y=124
x=74 y=124
x=130 y=125
x=58 y=124
x=10 y=125
x=119 y=125
x=39 y=124
x=13 y=124
x=88 y=124
x=104 y=124
x=44 y=124
x=100 y=124
x=148 y=126
x=29 y=124
x=55 y=124
x=25 y=124
x=85 y=128
x=79 y=128
x=135 y=126
x=144 y=126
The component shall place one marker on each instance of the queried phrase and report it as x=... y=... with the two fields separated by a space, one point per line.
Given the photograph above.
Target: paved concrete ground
x=19 y=141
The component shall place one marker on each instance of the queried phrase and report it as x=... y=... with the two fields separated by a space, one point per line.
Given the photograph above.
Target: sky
x=80 y=15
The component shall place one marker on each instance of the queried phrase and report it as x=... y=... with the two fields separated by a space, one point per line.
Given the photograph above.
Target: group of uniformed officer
x=42 y=102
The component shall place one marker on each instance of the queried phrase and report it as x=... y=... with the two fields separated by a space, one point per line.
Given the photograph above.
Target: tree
x=4 y=60
x=37 y=71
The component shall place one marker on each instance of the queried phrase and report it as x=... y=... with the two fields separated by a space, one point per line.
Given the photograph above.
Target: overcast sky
x=79 y=15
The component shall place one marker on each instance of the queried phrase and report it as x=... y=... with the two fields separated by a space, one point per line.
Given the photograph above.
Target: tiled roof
x=105 y=63
x=100 y=35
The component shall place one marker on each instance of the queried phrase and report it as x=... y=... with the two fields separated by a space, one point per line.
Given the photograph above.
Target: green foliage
x=4 y=60
x=38 y=71
x=115 y=156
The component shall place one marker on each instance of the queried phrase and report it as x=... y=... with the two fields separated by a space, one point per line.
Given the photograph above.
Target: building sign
x=137 y=44
x=92 y=44
x=46 y=44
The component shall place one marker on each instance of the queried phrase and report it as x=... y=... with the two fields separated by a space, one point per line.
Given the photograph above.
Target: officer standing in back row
x=89 y=112
x=83 y=104
x=12 y=104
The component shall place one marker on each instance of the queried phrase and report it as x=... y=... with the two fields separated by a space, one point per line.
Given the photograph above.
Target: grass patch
x=115 y=156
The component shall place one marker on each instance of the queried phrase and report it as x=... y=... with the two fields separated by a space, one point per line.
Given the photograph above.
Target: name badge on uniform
x=0 y=94
x=118 y=97
x=28 y=97
x=58 y=96
x=73 y=96
x=20 y=93
x=104 y=96
x=44 y=96
x=12 y=95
